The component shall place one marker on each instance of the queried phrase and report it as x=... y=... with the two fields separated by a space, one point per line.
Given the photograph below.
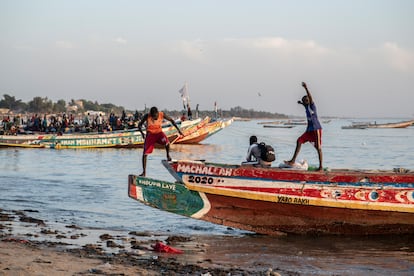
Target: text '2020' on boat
x=275 y=201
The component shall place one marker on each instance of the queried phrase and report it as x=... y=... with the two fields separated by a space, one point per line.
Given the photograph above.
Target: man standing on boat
x=154 y=134
x=313 y=133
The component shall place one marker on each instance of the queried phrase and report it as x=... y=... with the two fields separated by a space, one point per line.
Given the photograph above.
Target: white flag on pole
x=184 y=94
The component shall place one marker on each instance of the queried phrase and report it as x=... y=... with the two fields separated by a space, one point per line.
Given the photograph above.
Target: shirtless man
x=154 y=135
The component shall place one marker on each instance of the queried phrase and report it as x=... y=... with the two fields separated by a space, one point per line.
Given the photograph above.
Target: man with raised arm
x=313 y=133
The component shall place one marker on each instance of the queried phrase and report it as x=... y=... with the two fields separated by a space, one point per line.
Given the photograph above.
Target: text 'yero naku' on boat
x=276 y=200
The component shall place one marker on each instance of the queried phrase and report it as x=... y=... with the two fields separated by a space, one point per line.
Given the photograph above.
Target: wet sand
x=31 y=246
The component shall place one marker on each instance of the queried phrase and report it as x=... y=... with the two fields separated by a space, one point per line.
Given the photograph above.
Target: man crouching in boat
x=154 y=120
x=254 y=154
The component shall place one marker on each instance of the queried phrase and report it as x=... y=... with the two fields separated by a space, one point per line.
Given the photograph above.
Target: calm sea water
x=89 y=188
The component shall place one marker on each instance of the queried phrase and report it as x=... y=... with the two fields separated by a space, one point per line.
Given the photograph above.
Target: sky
x=357 y=57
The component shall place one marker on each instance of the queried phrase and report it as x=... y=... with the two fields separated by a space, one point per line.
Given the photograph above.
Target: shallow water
x=89 y=188
x=319 y=256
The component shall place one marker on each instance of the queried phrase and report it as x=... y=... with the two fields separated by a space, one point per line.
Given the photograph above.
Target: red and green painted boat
x=115 y=139
x=277 y=201
x=120 y=139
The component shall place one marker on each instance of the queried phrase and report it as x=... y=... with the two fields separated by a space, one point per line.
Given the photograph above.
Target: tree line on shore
x=45 y=105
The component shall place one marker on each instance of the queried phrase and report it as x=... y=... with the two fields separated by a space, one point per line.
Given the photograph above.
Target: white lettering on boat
x=97 y=141
x=162 y=185
x=197 y=169
x=168 y=186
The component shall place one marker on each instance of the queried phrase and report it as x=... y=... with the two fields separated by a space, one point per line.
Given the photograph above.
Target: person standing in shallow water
x=313 y=133
x=154 y=134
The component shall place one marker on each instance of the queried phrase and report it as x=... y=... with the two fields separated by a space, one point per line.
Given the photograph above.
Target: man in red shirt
x=154 y=134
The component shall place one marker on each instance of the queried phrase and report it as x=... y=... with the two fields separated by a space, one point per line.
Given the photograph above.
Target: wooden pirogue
x=275 y=201
x=112 y=139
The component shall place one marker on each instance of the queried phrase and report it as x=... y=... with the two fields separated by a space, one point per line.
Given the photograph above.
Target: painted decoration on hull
x=274 y=201
x=170 y=197
x=353 y=197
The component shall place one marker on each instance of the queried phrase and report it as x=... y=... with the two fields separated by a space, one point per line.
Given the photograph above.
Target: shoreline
x=29 y=245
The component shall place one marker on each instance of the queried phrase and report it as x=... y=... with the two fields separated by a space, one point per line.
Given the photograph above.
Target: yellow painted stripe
x=349 y=204
x=22 y=145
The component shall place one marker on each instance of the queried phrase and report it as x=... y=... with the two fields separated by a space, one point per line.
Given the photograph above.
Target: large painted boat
x=115 y=139
x=202 y=131
x=276 y=201
x=124 y=139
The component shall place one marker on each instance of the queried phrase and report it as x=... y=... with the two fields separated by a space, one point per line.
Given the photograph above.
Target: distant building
x=94 y=113
x=72 y=108
x=4 y=110
x=79 y=104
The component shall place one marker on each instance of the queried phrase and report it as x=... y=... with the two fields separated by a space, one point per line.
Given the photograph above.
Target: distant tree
x=39 y=104
x=108 y=107
x=59 y=106
x=21 y=106
x=89 y=105
x=10 y=102
x=44 y=105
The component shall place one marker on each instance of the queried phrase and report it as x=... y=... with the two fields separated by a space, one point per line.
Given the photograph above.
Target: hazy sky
x=356 y=56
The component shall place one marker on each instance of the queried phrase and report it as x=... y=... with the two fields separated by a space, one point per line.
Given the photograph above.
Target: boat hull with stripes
x=275 y=201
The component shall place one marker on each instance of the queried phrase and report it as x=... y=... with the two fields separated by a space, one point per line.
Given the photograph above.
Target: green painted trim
x=170 y=197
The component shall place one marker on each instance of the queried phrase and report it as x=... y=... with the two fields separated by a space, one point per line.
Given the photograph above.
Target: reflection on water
x=317 y=255
x=196 y=152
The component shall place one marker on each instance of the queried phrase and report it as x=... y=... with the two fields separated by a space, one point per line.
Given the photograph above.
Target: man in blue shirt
x=313 y=133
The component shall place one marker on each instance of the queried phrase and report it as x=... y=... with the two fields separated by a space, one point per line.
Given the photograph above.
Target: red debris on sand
x=163 y=248
x=14 y=240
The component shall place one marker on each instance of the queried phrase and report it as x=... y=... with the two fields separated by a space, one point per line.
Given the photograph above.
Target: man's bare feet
x=290 y=162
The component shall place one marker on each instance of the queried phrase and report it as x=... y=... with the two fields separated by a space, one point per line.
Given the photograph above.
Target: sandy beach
x=29 y=246
x=25 y=258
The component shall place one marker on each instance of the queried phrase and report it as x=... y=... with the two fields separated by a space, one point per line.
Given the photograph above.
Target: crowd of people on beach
x=98 y=122
x=67 y=123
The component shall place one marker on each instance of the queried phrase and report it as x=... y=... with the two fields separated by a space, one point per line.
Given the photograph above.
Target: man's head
x=253 y=139
x=305 y=100
x=154 y=112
